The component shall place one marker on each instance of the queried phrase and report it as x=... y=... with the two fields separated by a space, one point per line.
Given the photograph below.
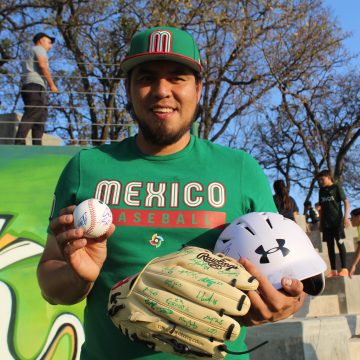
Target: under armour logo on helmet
x=264 y=254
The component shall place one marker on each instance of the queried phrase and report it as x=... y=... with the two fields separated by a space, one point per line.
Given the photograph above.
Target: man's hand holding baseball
x=86 y=256
x=70 y=261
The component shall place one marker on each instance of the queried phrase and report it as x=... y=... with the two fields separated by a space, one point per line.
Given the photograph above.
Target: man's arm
x=44 y=68
x=59 y=283
x=70 y=263
x=355 y=261
x=346 y=213
x=296 y=208
x=320 y=216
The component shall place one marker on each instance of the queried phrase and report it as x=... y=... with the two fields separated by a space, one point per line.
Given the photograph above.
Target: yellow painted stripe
x=6 y=240
x=67 y=330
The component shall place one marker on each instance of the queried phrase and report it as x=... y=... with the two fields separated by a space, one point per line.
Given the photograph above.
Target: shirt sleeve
x=341 y=193
x=39 y=51
x=257 y=195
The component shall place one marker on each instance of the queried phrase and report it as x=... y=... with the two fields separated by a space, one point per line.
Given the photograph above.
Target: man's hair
x=355 y=212
x=325 y=172
x=307 y=203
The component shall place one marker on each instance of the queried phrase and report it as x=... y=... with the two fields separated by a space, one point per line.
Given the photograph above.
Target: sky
x=346 y=13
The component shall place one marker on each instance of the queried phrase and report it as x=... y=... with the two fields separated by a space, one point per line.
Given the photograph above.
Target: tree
x=255 y=53
x=94 y=39
x=323 y=124
x=238 y=42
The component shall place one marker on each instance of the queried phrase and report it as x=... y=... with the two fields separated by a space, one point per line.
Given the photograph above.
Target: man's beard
x=157 y=133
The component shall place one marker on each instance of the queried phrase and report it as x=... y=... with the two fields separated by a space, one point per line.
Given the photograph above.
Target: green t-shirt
x=184 y=198
x=330 y=198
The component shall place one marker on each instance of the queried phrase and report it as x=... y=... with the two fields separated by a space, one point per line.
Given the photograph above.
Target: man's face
x=164 y=96
x=45 y=42
x=324 y=181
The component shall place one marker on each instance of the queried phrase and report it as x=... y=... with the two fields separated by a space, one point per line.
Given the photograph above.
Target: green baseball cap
x=162 y=43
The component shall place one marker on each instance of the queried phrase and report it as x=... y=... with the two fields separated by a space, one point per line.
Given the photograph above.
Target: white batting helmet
x=277 y=246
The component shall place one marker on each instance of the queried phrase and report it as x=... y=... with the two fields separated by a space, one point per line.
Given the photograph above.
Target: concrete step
x=326 y=328
x=354 y=347
x=315 y=338
x=315 y=236
x=326 y=305
x=348 y=260
x=340 y=296
x=350 y=240
x=348 y=292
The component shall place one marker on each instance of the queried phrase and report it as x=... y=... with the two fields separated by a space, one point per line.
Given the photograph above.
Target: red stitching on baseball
x=92 y=217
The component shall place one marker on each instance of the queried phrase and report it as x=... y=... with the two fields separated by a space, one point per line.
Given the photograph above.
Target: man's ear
x=199 y=85
x=127 y=89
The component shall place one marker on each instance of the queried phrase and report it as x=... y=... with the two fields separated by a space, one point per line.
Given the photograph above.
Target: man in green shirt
x=165 y=187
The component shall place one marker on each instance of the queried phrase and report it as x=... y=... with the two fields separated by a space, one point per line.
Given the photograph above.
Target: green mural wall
x=30 y=328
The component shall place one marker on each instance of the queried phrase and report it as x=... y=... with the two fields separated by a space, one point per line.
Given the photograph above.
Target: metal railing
x=72 y=120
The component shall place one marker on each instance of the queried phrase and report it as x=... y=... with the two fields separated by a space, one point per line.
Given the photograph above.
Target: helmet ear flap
x=314 y=285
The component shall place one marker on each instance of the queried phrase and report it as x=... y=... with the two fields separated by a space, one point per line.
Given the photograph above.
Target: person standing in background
x=355 y=222
x=332 y=221
x=311 y=214
x=33 y=92
x=286 y=205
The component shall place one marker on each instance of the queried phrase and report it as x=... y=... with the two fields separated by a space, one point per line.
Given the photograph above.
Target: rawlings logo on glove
x=183 y=303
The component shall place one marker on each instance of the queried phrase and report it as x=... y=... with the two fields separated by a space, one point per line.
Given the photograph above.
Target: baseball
x=94 y=217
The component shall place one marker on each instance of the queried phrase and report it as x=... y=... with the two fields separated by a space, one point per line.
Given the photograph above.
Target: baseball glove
x=183 y=303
